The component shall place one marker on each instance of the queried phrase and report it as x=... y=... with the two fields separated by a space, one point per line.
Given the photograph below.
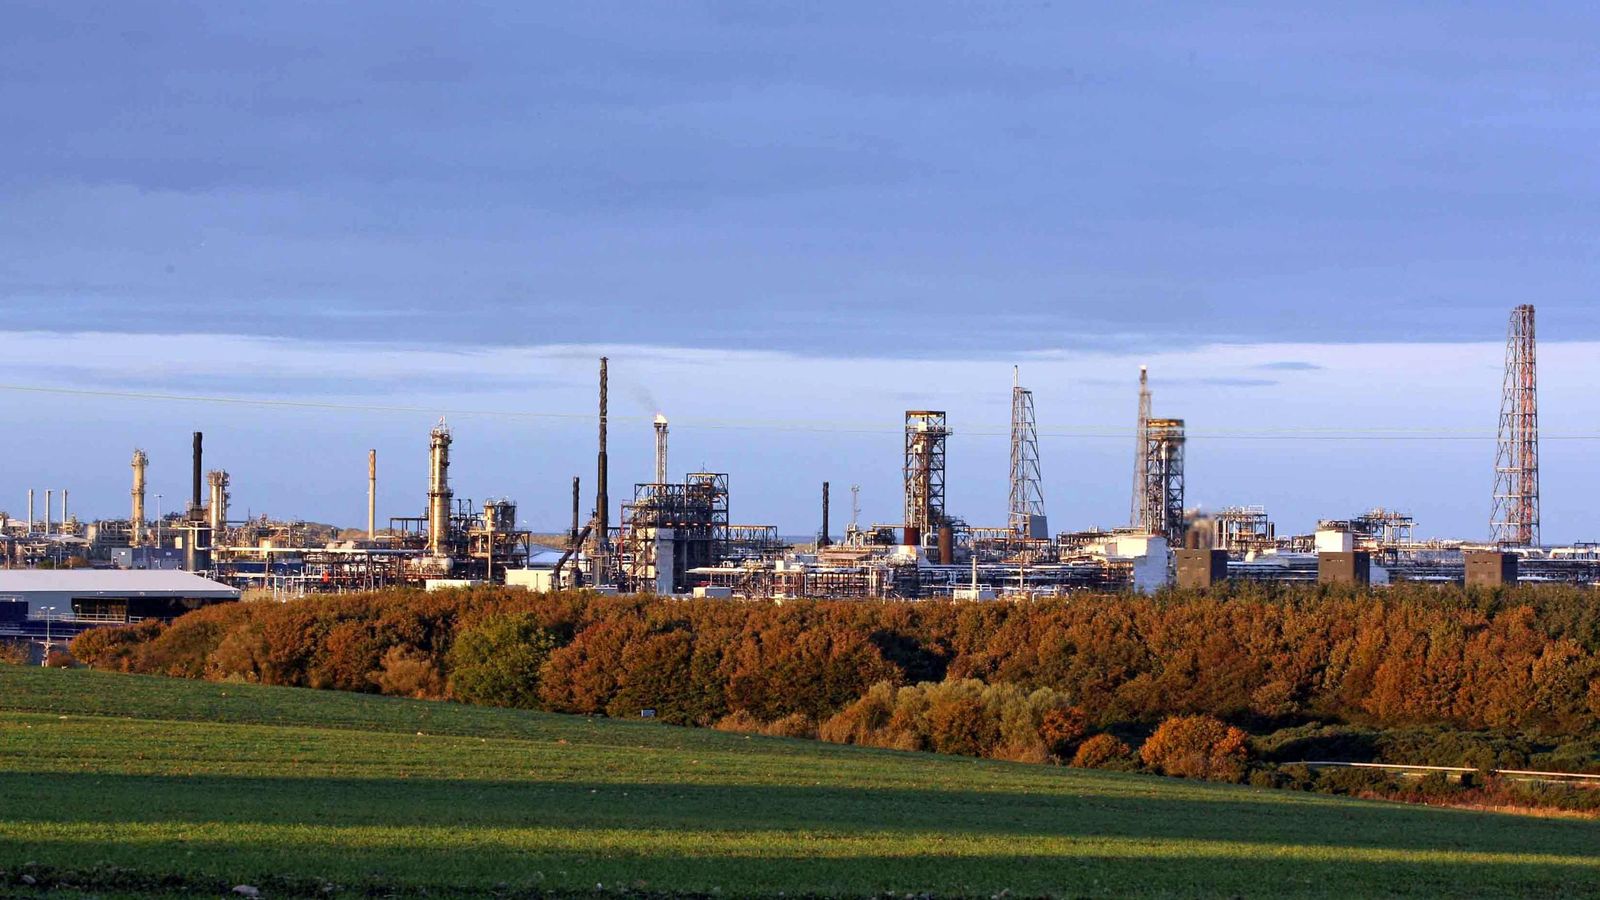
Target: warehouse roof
x=113 y=582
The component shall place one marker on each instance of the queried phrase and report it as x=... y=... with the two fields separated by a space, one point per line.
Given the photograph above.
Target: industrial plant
x=679 y=537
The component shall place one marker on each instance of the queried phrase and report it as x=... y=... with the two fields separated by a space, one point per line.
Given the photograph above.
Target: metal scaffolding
x=1515 y=519
x=1163 y=484
x=1242 y=529
x=926 y=432
x=670 y=529
x=1026 y=516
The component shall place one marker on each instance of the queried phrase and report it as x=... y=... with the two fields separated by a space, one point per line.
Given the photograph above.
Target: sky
x=786 y=225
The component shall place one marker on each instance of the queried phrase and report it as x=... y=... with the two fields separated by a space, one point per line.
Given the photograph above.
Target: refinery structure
x=680 y=536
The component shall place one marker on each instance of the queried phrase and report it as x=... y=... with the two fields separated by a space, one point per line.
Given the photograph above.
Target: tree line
x=1084 y=678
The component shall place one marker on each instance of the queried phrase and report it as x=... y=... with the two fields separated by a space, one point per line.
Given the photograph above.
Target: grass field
x=125 y=785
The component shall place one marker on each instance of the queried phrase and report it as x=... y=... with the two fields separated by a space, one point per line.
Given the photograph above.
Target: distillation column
x=217 y=507
x=136 y=526
x=439 y=495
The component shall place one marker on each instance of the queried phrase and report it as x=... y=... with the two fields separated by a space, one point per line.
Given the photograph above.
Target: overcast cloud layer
x=900 y=179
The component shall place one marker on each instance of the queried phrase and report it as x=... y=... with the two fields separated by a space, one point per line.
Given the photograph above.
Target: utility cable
x=1294 y=433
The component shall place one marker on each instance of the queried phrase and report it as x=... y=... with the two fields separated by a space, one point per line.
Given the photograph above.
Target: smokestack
x=30 y=510
x=824 y=540
x=194 y=502
x=661 y=449
x=372 y=495
x=136 y=527
x=572 y=536
x=63 y=509
x=602 y=500
x=47 y=498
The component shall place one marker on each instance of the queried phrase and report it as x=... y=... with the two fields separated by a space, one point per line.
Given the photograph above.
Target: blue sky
x=457 y=206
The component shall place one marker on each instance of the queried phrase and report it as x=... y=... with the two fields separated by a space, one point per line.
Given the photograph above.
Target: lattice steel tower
x=926 y=431
x=1515 y=522
x=1141 y=456
x=1027 y=494
x=1163 y=483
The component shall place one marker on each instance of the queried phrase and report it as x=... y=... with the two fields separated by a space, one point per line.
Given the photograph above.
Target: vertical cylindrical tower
x=439 y=495
x=823 y=540
x=572 y=535
x=136 y=525
x=194 y=495
x=30 y=510
x=217 y=505
x=47 y=500
x=661 y=449
x=372 y=495
x=602 y=503
x=64 y=515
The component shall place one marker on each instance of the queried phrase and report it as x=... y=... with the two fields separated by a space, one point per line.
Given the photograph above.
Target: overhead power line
x=1293 y=433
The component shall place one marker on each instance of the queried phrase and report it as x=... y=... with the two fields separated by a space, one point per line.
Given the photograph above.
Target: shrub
x=59 y=659
x=1102 y=752
x=497 y=662
x=14 y=653
x=794 y=725
x=1062 y=729
x=1197 y=747
x=1355 y=782
x=866 y=721
x=960 y=725
x=115 y=647
x=739 y=722
x=405 y=672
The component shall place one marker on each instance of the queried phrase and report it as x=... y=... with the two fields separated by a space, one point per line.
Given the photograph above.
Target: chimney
x=572 y=536
x=372 y=495
x=194 y=501
x=30 y=510
x=602 y=501
x=47 y=498
x=824 y=540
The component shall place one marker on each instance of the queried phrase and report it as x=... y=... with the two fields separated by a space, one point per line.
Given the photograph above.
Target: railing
x=1518 y=774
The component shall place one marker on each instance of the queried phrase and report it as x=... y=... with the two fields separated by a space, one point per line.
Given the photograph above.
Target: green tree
x=497 y=661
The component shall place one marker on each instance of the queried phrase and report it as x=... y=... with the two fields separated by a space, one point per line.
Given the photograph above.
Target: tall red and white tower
x=1515 y=522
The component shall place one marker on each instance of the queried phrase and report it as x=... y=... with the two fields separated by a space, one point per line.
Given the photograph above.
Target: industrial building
x=109 y=595
x=678 y=535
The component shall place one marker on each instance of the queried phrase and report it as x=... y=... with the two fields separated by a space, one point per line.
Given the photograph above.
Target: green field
x=121 y=785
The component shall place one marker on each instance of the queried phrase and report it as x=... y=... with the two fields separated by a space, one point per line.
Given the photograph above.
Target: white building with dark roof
x=110 y=594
